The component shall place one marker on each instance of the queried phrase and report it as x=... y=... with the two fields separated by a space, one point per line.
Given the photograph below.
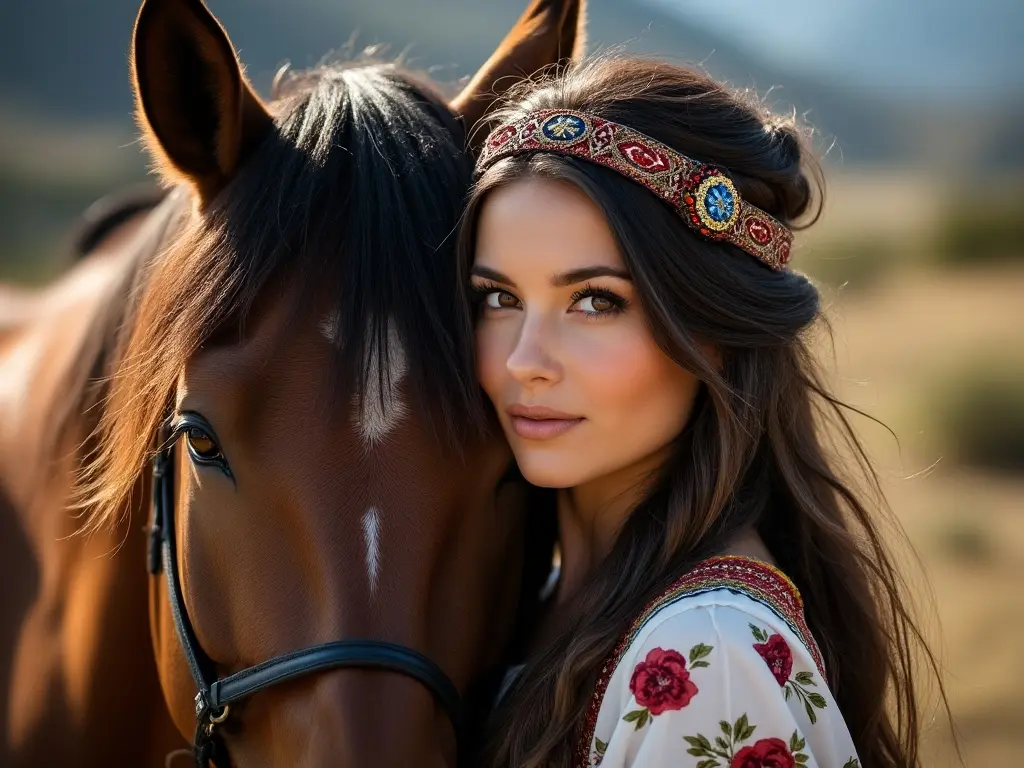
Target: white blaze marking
x=371 y=535
x=377 y=413
x=381 y=411
x=331 y=327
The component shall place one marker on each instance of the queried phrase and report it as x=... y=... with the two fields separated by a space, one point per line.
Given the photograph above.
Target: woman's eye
x=596 y=305
x=501 y=300
x=201 y=445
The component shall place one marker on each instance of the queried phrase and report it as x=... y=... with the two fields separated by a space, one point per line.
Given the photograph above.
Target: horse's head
x=296 y=363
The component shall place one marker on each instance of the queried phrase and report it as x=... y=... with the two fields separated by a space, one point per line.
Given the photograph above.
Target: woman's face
x=563 y=350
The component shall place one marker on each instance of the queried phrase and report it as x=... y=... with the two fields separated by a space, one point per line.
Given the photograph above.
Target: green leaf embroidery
x=743 y=730
x=708 y=764
x=805 y=678
x=696 y=664
x=740 y=727
x=638 y=717
x=703 y=751
x=853 y=762
x=796 y=743
x=817 y=700
x=600 y=746
x=788 y=692
x=810 y=712
x=759 y=634
x=699 y=651
x=722 y=748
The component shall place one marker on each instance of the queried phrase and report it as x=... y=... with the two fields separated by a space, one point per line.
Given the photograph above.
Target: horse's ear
x=200 y=116
x=549 y=32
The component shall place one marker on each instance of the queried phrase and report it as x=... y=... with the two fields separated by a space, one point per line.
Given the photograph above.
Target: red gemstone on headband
x=784 y=253
x=644 y=157
x=758 y=231
x=502 y=137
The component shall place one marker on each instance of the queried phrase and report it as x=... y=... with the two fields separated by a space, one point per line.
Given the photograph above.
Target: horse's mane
x=354 y=197
x=87 y=379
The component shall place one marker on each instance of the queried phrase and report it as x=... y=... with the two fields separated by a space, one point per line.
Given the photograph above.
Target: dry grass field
x=899 y=339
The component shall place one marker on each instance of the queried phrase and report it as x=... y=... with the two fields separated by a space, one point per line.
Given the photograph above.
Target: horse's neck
x=78 y=643
x=55 y=341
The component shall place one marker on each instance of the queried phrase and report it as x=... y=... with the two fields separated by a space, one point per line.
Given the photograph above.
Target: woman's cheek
x=490 y=358
x=636 y=389
x=614 y=367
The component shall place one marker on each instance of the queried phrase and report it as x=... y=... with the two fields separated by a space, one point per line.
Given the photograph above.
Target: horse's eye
x=201 y=445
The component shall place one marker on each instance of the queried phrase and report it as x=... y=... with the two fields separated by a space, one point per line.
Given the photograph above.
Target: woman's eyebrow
x=491 y=274
x=562 y=280
x=586 y=273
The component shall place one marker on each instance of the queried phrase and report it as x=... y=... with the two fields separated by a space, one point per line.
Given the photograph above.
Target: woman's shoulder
x=720 y=663
x=734 y=598
x=730 y=604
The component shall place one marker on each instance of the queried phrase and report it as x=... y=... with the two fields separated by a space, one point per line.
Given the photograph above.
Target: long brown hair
x=755 y=452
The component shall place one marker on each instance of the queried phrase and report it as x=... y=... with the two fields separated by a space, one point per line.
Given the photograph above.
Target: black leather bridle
x=217 y=694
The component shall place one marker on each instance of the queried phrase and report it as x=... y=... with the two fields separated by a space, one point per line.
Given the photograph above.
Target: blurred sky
x=973 y=46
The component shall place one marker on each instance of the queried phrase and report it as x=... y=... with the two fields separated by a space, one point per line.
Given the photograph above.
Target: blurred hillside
x=66 y=132
x=68 y=59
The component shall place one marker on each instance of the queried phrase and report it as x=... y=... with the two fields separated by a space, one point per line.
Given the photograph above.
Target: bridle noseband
x=217 y=694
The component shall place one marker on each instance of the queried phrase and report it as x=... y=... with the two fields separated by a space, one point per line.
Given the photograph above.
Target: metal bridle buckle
x=217 y=719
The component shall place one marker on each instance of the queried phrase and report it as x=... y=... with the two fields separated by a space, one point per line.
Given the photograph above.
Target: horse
x=269 y=360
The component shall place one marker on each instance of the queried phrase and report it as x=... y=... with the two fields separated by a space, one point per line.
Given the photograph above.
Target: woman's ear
x=200 y=116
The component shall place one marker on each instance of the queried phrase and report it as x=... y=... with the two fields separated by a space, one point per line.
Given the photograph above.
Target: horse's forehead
x=253 y=372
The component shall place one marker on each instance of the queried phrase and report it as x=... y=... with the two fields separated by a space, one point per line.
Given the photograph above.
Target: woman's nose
x=532 y=358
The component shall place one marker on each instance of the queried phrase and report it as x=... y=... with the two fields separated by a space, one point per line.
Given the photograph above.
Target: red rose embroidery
x=765 y=753
x=661 y=683
x=777 y=656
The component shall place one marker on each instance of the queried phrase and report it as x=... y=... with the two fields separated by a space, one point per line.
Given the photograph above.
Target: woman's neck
x=590 y=517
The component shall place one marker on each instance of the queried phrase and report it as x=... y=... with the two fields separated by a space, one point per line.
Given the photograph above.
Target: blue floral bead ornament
x=717 y=202
x=561 y=128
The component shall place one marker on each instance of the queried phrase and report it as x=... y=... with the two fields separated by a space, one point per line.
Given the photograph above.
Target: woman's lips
x=540 y=423
x=542 y=429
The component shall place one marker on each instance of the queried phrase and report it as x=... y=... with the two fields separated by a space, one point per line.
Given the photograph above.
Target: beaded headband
x=704 y=196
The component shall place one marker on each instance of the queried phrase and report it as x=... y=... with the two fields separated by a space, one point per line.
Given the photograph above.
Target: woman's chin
x=547 y=471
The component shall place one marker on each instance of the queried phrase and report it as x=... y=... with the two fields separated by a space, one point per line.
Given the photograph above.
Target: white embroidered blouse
x=720 y=672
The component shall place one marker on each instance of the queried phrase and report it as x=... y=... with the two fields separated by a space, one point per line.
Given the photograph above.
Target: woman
x=724 y=597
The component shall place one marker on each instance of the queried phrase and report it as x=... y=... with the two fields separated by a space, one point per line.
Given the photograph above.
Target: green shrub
x=978 y=234
x=980 y=413
x=966 y=540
